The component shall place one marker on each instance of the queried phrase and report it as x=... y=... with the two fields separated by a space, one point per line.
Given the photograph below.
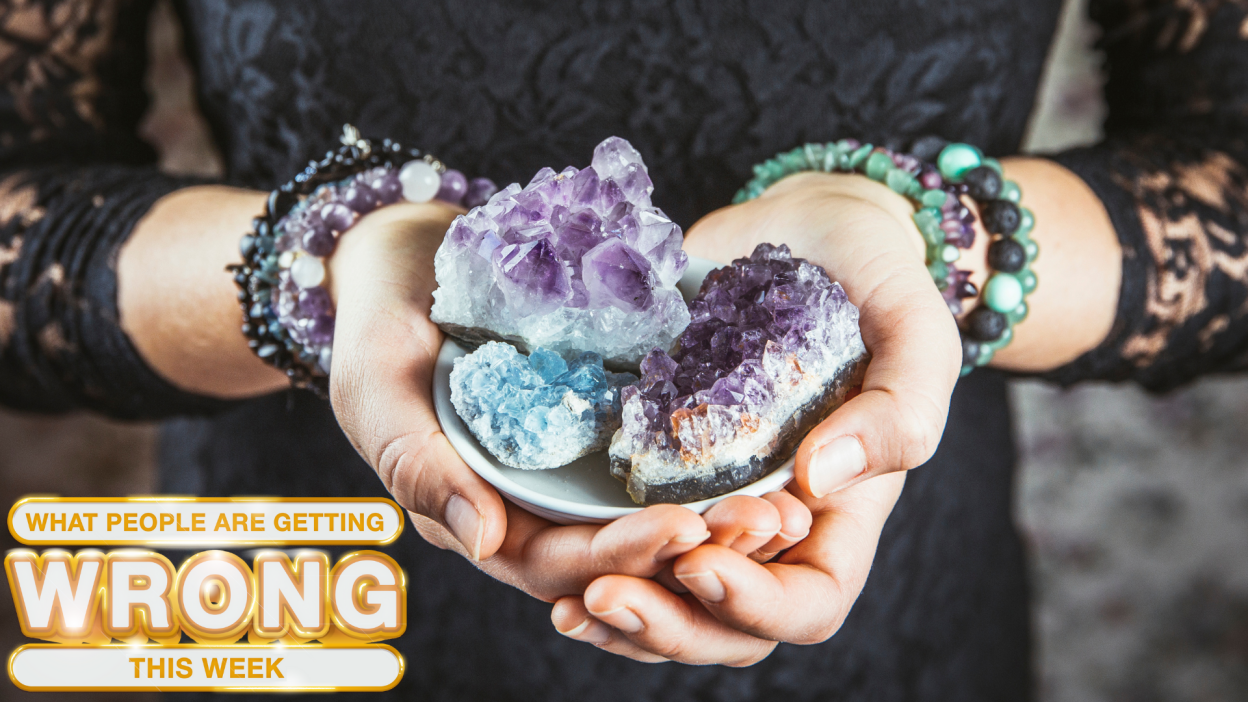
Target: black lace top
x=704 y=88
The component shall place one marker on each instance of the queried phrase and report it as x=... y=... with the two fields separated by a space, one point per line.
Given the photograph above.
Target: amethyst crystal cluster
x=772 y=349
x=575 y=261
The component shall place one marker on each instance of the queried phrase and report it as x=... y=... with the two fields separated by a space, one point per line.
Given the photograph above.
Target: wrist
x=178 y=309
x=284 y=278
x=847 y=192
x=391 y=244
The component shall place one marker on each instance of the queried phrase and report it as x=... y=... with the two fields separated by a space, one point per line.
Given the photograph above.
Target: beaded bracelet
x=288 y=313
x=990 y=326
x=944 y=222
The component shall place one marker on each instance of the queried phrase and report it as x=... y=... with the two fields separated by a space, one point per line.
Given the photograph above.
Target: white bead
x=286 y=259
x=420 y=181
x=326 y=359
x=307 y=272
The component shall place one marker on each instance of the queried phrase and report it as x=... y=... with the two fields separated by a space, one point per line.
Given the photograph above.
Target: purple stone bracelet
x=309 y=234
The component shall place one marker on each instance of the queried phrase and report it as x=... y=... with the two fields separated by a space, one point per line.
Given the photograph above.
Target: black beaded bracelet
x=989 y=326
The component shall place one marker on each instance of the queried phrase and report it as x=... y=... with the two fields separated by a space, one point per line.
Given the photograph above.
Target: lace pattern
x=1174 y=176
x=70 y=98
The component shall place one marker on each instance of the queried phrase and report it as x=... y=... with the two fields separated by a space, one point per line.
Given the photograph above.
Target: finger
x=575 y=622
x=742 y=523
x=416 y=463
x=805 y=597
x=549 y=561
x=898 y=419
x=667 y=625
x=795 y=521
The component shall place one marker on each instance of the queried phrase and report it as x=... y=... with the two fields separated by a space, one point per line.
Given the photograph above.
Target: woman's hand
x=736 y=610
x=385 y=346
x=850 y=469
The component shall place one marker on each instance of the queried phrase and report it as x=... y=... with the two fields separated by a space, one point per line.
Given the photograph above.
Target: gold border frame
x=216 y=688
x=157 y=543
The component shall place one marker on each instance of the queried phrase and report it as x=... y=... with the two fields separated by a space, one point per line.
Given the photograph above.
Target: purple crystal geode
x=573 y=262
x=772 y=349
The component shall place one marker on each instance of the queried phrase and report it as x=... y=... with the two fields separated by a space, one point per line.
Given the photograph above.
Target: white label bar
x=238 y=521
x=52 y=667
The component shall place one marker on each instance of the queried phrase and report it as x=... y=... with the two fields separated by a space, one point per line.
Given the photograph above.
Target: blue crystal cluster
x=539 y=411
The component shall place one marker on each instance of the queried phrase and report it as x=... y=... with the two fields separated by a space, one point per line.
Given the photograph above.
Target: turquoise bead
x=860 y=155
x=932 y=234
x=965 y=370
x=995 y=165
x=927 y=215
x=1026 y=222
x=831 y=159
x=956 y=159
x=878 y=165
x=985 y=355
x=899 y=181
x=1002 y=341
x=1029 y=281
x=939 y=271
x=933 y=198
x=814 y=156
x=1019 y=313
x=1010 y=191
x=1032 y=249
x=949 y=253
x=793 y=161
x=1003 y=292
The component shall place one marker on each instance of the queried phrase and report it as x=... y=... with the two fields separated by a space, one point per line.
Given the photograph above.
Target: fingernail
x=705 y=584
x=622 y=618
x=465 y=523
x=590 y=631
x=835 y=464
x=680 y=544
x=751 y=534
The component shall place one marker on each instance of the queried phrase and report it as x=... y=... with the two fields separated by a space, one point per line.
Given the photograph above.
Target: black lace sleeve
x=74 y=180
x=1173 y=174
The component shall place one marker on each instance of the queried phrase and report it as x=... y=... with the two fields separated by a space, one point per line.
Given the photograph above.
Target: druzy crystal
x=575 y=261
x=538 y=411
x=772 y=349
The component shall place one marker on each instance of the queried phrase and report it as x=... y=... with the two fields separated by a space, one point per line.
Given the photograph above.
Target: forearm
x=176 y=301
x=1079 y=268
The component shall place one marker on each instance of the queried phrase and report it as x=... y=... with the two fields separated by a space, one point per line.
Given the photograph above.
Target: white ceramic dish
x=582 y=492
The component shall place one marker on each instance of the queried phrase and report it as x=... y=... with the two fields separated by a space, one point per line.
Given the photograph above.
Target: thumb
x=382 y=392
x=895 y=424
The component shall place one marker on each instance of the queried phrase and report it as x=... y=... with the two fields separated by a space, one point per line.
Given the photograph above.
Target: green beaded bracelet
x=944 y=222
x=936 y=206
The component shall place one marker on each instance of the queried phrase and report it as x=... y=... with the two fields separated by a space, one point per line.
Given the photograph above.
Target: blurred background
x=1134 y=507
